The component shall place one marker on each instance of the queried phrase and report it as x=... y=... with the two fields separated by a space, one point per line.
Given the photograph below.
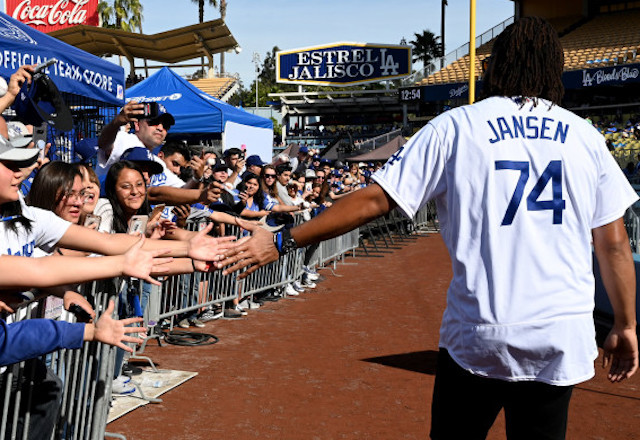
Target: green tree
x=125 y=15
x=426 y=47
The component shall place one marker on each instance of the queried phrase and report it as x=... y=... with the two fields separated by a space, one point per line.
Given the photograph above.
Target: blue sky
x=259 y=25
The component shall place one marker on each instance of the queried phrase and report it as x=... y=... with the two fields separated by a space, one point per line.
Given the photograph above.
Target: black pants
x=465 y=405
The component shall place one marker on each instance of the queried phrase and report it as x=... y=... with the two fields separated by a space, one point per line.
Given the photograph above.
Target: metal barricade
x=185 y=293
x=632 y=224
x=76 y=382
x=427 y=218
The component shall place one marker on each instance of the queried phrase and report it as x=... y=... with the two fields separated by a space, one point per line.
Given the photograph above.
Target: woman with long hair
x=127 y=192
x=268 y=176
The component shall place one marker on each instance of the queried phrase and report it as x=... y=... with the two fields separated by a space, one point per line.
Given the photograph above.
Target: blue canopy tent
x=199 y=115
x=76 y=72
x=92 y=87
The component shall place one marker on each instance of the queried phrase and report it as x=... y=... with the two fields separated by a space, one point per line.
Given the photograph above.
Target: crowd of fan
x=62 y=211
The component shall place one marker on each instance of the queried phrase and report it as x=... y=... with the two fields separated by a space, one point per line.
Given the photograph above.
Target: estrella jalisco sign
x=343 y=64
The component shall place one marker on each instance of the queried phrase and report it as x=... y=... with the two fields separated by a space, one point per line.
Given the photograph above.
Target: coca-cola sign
x=51 y=15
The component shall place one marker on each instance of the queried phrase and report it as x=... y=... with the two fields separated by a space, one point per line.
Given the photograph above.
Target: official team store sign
x=343 y=64
x=50 y=15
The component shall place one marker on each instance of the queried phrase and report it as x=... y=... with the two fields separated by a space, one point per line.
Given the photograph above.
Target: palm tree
x=200 y=3
x=122 y=14
x=426 y=47
x=223 y=15
x=106 y=13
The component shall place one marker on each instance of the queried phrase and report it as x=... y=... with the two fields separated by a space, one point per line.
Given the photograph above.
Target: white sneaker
x=310 y=273
x=308 y=284
x=297 y=286
x=242 y=311
x=120 y=386
x=290 y=291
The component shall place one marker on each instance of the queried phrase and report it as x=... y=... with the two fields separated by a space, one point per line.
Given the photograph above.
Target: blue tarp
x=76 y=71
x=195 y=111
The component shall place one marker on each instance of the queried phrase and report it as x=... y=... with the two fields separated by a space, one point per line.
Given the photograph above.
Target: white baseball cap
x=19 y=135
x=16 y=154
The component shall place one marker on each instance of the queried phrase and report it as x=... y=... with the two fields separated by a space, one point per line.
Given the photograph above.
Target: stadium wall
x=550 y=9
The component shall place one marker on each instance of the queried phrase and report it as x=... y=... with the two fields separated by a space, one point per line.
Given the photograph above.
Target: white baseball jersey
x=46 y=230
x=122 y=143
x=518 y=190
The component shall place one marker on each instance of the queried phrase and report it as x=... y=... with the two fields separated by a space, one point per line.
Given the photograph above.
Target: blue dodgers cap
x=325 y=161
x=303 y=149
x=40 y=101
x=87 y=148
x=142 y=156
x=255 y=160
x=316 y=157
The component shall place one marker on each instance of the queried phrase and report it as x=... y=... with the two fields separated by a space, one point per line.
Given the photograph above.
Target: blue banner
x=444 y=92
x=343 y=64
x=76 y=71
x=601 y=76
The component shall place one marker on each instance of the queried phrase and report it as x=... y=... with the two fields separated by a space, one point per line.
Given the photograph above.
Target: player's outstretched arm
x=612 y=249
x=346 y=214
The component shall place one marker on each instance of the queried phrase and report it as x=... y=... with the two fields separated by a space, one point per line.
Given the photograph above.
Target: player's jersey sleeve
x=415 y=173
x=614 y=194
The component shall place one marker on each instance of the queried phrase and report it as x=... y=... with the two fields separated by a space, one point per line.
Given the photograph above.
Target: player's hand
x=254 y=251
x=620 y=354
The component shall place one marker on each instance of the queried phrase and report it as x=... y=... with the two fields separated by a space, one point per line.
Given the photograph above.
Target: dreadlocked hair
x=527 y=60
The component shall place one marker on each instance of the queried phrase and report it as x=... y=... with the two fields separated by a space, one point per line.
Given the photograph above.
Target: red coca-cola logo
x=50 y=15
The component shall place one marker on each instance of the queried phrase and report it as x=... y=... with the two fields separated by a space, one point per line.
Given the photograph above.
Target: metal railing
x=632 y=224
x=75 y=382
x=86 y=375
x=378 y=141
x=481 y=39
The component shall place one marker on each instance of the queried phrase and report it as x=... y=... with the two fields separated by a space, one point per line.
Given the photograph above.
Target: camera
x=241 y=187
x=150 y=109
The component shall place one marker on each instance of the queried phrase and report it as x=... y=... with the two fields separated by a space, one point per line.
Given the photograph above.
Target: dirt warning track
x=352 y=359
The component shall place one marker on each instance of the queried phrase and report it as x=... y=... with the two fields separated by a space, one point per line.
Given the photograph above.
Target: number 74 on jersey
x=553 y=173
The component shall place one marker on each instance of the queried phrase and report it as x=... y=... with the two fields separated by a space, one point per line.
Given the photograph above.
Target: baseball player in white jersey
x=523 y=189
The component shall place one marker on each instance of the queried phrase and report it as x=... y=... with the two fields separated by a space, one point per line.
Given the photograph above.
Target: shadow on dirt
x=419 y=361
